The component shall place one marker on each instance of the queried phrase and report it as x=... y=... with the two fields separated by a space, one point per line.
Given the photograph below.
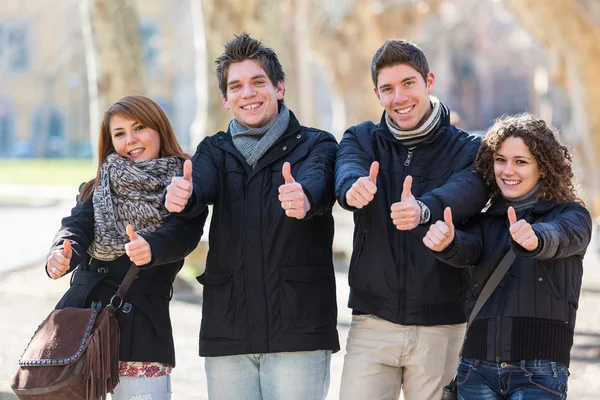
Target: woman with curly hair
x=518 y=346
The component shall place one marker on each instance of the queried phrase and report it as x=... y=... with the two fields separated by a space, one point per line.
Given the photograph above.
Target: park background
x=63 y=62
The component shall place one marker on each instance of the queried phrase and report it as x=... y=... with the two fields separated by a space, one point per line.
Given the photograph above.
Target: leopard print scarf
x=129 y=193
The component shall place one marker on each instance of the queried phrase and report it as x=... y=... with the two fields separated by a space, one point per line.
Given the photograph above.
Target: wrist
x=425 y=213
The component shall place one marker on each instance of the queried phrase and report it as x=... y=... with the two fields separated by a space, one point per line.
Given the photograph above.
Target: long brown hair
x=543 y=141
x=146 y=112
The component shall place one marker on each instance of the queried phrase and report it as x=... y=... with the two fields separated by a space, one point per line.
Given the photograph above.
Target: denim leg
x=155 y=388
x=302 y=375
x=233 y=377
x=539 y=380
x=476 y=381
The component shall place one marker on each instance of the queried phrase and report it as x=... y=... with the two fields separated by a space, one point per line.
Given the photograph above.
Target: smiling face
x=251 y=97
x=515 y=168
x=404 y=94
x=132 y=140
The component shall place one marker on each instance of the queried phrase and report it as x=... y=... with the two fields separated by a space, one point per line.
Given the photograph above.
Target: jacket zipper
x=402 y=298
x=408 y=158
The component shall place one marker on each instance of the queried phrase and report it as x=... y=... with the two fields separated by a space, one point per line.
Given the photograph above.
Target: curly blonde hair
x=543 y=141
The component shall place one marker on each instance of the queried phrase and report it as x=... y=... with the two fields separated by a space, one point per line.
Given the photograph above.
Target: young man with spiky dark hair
x=397 y=177
x=269 y=306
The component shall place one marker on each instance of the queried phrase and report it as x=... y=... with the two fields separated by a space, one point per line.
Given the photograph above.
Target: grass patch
x=46 y=171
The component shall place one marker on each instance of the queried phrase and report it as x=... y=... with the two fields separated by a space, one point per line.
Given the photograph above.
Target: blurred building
x=43 y=86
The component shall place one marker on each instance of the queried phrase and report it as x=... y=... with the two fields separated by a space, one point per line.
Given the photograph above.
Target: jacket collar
x=284 y=146
x=499 y=208
x=384 y=131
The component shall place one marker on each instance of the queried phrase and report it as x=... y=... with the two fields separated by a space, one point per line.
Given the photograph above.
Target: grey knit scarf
x=253 y=143
x=418 y=134
x=129 y=193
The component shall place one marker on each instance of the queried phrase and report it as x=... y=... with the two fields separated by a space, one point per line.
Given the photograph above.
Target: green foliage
x=46 y=171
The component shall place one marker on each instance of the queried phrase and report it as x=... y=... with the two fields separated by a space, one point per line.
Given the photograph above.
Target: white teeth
x=251 y=107
x=511 y=183
x=404 y=110
x=136 y=151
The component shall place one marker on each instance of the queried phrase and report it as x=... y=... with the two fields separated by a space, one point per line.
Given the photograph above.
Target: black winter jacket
x=144 y=321
x=269 y=284
x=392 y=274
x=531 y=314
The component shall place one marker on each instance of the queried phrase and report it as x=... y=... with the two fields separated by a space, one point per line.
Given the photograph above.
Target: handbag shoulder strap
x=492 y=283
x=125 y=284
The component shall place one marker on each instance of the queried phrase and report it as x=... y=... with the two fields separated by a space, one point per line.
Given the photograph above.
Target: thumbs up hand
x=180 y=190
x=522 y=232
x=291 y=195
x=59 y=261
x=440 y=234
x=406 y=214
x=137 y=249
x=362 y=192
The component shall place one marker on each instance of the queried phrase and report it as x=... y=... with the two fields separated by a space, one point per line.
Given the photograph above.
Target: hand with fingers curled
x=362 y=192
x=522 y=232
x=291 y=195
x=59 y=261
x=406 y=214
x=180 y=190
x=137 y=249
x=440 y=234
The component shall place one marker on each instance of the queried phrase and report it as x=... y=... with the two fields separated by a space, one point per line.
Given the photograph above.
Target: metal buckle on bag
x=110 y=303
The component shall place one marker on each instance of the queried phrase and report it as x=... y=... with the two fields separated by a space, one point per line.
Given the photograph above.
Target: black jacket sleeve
x=205 y=176
x=464 y=192
x=568 y=234
x=466 y=248
x=177 y=238
x=78 y=228
x=352 y=163
x=316 y=174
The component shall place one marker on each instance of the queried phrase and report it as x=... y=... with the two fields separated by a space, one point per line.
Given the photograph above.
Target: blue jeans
x=302 y=375
x=480 y=380
x=140 y=388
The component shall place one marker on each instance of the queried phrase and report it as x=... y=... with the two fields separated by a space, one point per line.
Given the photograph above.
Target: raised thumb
x=406 y=188
x=448 y=217
x=373 y=172
x=512 y=216
x=131 y=233
x=187 y=171
x=287 y=173
x=67 y=249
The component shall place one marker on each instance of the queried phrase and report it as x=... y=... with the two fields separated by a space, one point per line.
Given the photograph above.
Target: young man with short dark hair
x=269 y=306
x=397 y=177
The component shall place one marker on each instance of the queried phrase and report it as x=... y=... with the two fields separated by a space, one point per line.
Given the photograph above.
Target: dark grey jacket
x=531 y=314
x=269 y=284
x=392 y=274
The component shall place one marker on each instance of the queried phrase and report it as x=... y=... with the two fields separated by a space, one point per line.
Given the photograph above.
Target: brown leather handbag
x=74 y=353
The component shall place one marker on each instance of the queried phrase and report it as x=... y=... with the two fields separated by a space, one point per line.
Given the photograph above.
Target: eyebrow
x=254 y=77
x=525 y=157
x=118 y=128
x=410 y=78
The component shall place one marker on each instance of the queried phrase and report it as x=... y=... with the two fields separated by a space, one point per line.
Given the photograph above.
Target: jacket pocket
x=549 y=275
x=356 y=252
x=308 y=301
x=218 y=305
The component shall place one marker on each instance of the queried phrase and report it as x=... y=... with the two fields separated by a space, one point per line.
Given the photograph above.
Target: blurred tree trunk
x=569 y=30
x=199 y=128
x=349 y=45
x=114 y=56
